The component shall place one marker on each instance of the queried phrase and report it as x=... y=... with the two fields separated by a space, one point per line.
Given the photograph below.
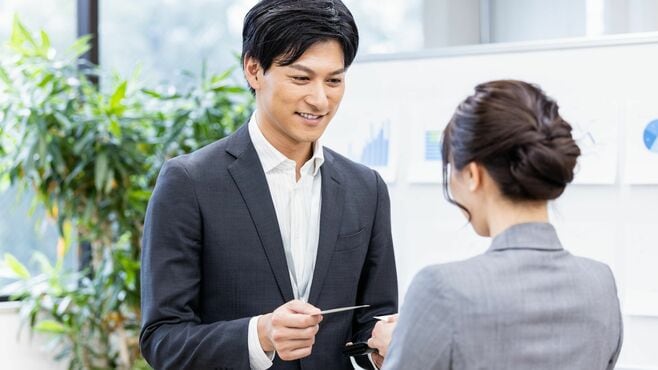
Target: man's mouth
x=310 y=116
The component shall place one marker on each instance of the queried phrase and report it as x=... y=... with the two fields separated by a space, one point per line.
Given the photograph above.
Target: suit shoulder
x=197 y=163
x=595 y=269
x=590 y=263
x=210 y=152
x=456 y=279
x=350 y=168
x=436 y=277
x=456 y=268
x=432 y=288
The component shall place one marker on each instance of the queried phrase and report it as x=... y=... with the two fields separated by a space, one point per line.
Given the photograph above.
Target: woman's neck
x=507 y=213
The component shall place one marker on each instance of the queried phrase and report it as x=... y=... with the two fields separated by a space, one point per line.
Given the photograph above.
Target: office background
x=608 y=215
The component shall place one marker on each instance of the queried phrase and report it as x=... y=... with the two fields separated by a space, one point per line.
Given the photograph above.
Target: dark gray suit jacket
x=213 y=257
x=524 y=304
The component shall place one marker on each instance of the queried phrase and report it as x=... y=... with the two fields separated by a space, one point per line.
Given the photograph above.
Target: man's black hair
x=280 y=31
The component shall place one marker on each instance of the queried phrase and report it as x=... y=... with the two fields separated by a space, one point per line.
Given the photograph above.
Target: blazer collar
x=248 y=175
x=247 y=172
x=333 y=200
x=532 y=235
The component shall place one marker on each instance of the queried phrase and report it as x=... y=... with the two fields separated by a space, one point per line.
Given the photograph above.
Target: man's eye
x=300 y=78
x=335 y=81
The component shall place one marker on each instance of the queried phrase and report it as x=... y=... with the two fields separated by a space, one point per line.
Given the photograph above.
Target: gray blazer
x=213 y=257
x=524 y=304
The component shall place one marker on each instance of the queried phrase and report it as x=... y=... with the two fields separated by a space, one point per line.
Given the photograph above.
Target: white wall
x=515 y=20
x=449 y=23
x=22 y=352
x=610 y=221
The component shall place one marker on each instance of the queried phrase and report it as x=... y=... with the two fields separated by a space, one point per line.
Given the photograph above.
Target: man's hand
x=377 y=359
x=290 y=330
x=381 y=338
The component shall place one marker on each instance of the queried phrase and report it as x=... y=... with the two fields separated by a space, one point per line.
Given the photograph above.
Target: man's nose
x=318 y=98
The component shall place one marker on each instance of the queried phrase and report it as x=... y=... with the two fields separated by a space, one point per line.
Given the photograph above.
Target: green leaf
x=64 y=305
x=228 y=89
x=45 y=43
x=221 y=77
x=67 y=236
x=118 y=95
x=16 y=267
x=63 y=120
x=81 y=45
x=140 y=194
x=4 y=76
x=47 y=78
x=51 y=326
x=43 y=262
x=100 y=172
x=20 y=34
x=109 y=182
x=152 y=93
x=5 y=182
x=16 y=39
x=115 y=128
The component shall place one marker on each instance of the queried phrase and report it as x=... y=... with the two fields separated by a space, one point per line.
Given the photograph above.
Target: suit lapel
x=247 y=172
x=333 y=195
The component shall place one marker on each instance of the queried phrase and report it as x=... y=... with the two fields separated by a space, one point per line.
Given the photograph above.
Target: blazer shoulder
x=458 y=280
x=433 y=289
x=197 y=163
x=590 y=264
x=598 y=271
x=351 y=170
x=438 y=278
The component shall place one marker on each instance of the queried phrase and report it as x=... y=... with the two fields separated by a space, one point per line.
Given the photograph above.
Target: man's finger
x=291 y=345
x=296 y=321
x=286 y=334
x=298 y=306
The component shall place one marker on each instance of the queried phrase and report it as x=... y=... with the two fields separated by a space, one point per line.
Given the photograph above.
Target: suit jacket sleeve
x=378 y=285
x=424 y=334
x=615 y=356
x=620 y=339
x=172 y=335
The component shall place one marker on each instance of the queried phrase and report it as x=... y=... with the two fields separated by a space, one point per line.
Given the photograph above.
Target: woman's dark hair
x=280 y=31
x=515 y=131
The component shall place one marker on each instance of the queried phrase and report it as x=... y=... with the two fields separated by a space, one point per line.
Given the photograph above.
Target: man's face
x=296 y=102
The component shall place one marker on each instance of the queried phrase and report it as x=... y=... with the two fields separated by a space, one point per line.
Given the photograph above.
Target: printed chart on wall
x=595 y=128
x=427 y=118
x=367 y=135
x=641 y=166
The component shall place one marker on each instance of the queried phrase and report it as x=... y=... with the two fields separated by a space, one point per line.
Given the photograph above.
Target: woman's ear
x=252 y=70
x=473 y=176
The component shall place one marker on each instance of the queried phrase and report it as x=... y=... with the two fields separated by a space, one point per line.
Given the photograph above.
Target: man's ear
x=252 y=70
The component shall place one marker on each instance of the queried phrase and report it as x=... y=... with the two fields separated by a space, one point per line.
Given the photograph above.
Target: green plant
x=92 y=156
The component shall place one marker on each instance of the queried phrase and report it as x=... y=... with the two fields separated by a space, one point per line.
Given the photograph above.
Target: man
x=247 y=239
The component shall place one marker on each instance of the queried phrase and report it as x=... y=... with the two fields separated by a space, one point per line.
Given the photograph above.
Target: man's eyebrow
x=310 y=71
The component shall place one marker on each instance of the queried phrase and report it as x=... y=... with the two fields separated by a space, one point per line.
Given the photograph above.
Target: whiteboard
x=607 y=90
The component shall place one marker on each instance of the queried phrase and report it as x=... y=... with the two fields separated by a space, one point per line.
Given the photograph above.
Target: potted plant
x=91 y=155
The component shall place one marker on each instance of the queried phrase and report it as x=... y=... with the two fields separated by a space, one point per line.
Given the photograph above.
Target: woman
x=526 y=303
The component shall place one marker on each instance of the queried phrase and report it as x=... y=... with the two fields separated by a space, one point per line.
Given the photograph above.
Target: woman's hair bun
x=515 y=131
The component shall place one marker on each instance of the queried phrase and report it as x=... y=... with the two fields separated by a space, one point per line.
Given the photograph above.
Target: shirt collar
x=531 y=235
x=271 y=158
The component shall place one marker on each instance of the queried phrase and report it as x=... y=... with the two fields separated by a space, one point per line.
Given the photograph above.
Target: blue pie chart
x=651 y=136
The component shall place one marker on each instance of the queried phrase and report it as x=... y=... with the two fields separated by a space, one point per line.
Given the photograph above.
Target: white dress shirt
x=297 y=205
